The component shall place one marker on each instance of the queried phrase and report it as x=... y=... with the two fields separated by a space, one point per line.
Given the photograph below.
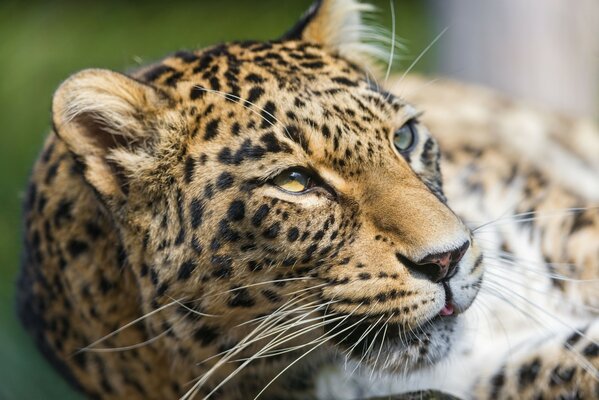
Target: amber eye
x=294 y=180
x=405 y=137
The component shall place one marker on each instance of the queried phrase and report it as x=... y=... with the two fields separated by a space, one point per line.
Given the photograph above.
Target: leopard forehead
x=240 y=102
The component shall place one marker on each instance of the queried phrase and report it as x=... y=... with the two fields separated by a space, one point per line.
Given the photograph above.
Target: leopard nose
x=440 y=266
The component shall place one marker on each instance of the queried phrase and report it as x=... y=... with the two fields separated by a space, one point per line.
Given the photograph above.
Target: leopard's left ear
x=107 y=121
x=337 y=25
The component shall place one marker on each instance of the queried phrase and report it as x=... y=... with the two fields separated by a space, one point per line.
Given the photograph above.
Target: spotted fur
x=156 y=242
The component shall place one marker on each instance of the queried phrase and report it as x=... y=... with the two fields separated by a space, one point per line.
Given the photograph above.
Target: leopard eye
x=405 y=137
x=294 y=180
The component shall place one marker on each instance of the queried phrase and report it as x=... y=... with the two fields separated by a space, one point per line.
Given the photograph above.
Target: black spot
x=76 y=247
x=196 y=92
x=573 y=339
x=214 y=84
x=254 y=266
x=529 y=372
x=153 y=276
x=311 y=251
x=206 y=335
x=313 y=65
x=236 y=210
x=272 y=144
x=196 y=211
x=561 y=375
x=318 y=235
x=580 y=221
x=31 y=196
x=105 y=285
x=292 y=234
x=591 y=350
x=225 y=156
x=297 y=135
x=48 y=153
x=235 y=128
x=157 y=72
x=241 y=298
x=211 y=129
x=290 y=261
x=271 y=296
x=225 y=234
x=51 y=173
x=63 y=212
x=190 y=163
x=254 y=78
x=273 y=231
x=185 y=270
x=260 y=214
x=268 y=114
x=144 y=269
x=364 y=276
x=222 y=266
x=224 y=181
x=186 y=56
x=173 y=79
x=344 y=81
x=254 y=94
x=162 y=288
x=195 y=245
x=80 y=359
x=93 y=230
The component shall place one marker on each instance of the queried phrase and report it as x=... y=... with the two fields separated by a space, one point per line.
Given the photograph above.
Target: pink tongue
x=447 y=310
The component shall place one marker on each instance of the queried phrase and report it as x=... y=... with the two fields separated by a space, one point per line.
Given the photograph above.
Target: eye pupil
x=405 y=137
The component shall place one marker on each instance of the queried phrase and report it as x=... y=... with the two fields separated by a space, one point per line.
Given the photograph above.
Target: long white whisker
x=135 y=321
x=422 y=53
x=390 y=62
x=533 y=216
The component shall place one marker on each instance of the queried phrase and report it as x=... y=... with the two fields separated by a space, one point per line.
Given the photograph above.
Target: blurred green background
x=42 y=43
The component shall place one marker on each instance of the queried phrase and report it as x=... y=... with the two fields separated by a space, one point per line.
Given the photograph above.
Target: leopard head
x=274 y=188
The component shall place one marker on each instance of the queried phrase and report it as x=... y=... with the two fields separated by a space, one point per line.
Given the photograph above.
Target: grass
x=43 y=43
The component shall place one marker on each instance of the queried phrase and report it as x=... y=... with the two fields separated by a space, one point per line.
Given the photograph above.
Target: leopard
x=265 y=219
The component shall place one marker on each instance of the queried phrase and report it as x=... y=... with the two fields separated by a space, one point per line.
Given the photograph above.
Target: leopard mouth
x=448 y=308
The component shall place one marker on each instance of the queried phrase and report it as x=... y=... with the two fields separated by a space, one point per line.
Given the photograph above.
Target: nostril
x=459 y=252
x=439 y=266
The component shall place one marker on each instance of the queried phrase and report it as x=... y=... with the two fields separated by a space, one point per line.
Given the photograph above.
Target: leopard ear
x=338 y=26
x=105 y=120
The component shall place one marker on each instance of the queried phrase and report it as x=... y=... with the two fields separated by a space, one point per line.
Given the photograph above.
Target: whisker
x=422 y=53
x=499 y=262
x=390 y=62
x=135 y=321
x=533 y=216
x=133 y=346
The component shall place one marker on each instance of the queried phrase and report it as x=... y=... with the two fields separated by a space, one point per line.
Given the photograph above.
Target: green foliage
x=43 y=43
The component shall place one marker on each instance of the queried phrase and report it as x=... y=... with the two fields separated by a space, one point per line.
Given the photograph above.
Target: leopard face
x=261 y=179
